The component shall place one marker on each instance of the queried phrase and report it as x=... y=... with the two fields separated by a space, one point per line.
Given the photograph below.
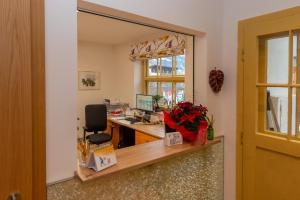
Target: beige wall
x=120 y=77
x=125 y=75
x=98 y=58
x=189 y=69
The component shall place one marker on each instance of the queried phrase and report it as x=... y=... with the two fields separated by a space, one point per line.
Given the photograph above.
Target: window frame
x=173 y=78
x=262 y=85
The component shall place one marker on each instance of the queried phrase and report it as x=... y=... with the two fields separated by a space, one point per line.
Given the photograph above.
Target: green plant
x=156 y=99
x=210 y=121
x=210 y=130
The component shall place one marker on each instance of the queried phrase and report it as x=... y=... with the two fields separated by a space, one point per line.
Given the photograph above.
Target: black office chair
x=96 y=121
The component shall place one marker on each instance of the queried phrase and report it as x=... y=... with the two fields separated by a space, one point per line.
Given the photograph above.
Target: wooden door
x=268 y=112
x=22 y=121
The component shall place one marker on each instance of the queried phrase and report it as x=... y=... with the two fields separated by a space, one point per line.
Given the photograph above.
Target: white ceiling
x=93 y=28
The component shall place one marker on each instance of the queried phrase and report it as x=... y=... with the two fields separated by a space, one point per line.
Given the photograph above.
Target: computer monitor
x=144 y=102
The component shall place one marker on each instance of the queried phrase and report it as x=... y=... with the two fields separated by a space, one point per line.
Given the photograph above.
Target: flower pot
x=210 y=133
x=184 y=118
x=193 y=137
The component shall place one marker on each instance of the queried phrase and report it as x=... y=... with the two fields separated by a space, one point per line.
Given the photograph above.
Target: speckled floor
x=197 y=175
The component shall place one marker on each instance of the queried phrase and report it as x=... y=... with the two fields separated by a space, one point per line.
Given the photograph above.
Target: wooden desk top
x=138 y=156
x=157 y=131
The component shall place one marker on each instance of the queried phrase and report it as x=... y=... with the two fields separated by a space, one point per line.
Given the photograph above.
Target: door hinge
x=242 y=137
x=243 y=55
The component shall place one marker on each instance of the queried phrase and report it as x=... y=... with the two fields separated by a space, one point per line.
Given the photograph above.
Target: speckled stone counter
x=197 y=175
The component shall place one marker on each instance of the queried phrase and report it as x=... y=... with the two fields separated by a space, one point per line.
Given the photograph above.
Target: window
x=278 y=84
x=165 y=76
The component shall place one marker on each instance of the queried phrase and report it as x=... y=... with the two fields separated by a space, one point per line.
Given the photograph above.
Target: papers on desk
x=123 y=121
x=118 y=118
x=102 y=158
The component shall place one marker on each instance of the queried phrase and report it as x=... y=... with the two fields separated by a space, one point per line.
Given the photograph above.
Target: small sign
x=102 y=158
x=173 y=138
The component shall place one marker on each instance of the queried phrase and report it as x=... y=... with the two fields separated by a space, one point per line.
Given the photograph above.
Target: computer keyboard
x=132 y=120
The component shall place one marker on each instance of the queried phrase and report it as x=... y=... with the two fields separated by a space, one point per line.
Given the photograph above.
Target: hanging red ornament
x=216 y=80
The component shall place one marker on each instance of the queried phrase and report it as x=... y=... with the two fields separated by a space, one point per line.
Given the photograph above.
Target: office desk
x=143 y=132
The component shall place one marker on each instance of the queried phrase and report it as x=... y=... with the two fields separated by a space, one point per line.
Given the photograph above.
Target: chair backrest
x=96 y=117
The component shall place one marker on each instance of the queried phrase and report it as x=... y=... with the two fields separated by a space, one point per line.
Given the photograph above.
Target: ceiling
x=94 y=28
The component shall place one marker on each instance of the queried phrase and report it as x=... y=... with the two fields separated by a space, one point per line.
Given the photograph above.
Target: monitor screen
x=144 y=102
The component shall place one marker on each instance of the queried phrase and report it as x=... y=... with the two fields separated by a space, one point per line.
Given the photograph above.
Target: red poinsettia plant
x=188 y=119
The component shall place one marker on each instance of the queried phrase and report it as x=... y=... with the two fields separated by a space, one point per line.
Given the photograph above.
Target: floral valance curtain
x=168 y=45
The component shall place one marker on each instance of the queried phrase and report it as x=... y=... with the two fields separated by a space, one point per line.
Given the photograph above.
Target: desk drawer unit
x=141 y=138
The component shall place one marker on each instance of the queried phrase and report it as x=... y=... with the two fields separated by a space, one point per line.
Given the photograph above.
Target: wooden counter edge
x=186 y=148
x=137 y=127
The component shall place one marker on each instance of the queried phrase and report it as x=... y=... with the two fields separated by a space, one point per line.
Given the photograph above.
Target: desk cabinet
x=141 y=138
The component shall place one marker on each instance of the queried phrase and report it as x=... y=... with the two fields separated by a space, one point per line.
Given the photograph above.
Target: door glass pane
x=180 y=65
x=179 y=92
x=296 y=57
x=152 y=88
x=166 y=66
x=152 y=67
x=274 y=59
x=166 y=88
x=296 y=112
x=273 y=109
x=278 y=60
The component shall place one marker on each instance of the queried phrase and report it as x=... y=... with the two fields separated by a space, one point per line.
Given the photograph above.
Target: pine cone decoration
x=216 y=79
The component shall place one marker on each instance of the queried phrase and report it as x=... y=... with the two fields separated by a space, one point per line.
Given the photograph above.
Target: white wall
x=235 y=10
x=98 y=58
x=61 y=75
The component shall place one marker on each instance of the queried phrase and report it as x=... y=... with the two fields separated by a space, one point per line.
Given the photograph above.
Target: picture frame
x=89 y=80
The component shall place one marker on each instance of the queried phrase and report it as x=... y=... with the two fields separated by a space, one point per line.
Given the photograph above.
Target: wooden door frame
x=239 y=114
x=38 y=99
x=240 y=89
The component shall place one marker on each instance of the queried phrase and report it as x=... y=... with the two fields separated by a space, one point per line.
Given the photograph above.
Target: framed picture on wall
x=88 y=80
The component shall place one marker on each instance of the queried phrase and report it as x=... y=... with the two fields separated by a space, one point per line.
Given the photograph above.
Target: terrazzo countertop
x=197 y=175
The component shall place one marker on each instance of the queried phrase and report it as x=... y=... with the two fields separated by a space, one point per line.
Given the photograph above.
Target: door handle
x=14 y=196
